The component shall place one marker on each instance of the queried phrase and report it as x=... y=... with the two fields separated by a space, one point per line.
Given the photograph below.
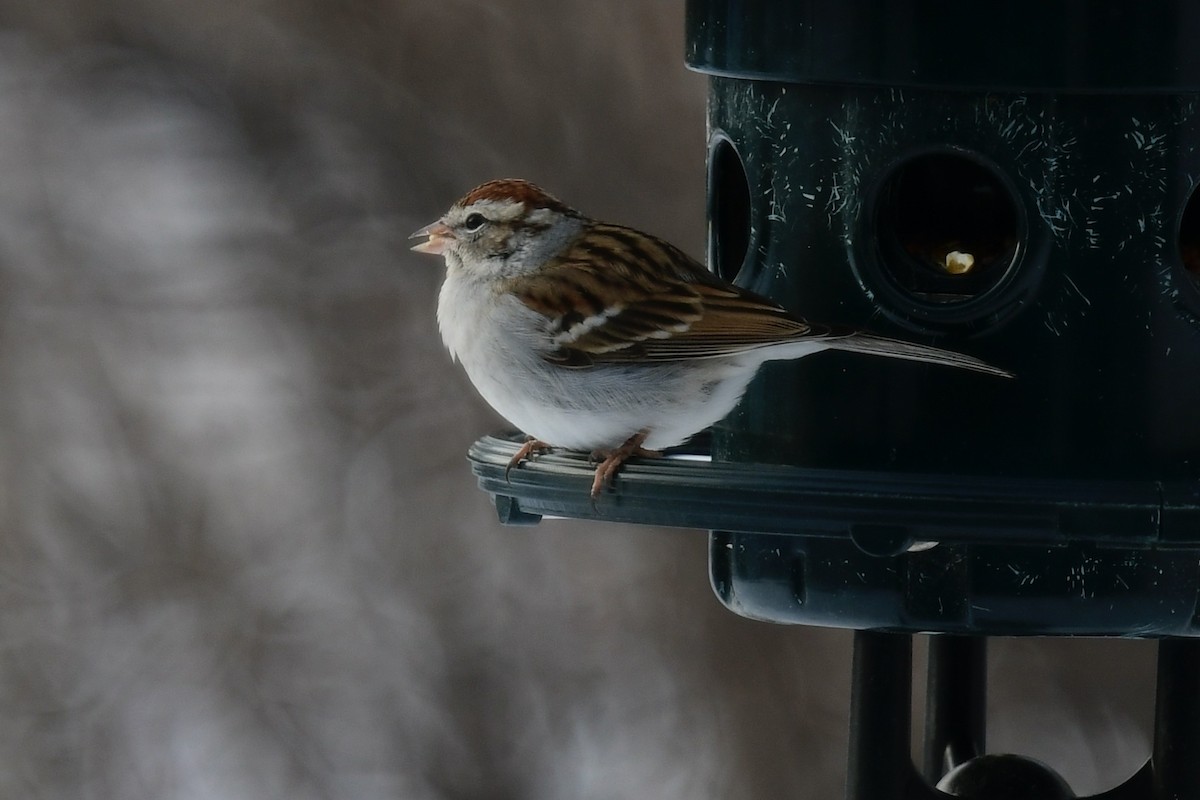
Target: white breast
x=500 y=343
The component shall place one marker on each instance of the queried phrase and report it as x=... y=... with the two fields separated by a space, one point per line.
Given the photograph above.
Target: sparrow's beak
x=438 y=234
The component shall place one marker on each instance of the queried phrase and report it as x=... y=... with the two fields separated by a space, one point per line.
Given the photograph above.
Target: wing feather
x=602 y=305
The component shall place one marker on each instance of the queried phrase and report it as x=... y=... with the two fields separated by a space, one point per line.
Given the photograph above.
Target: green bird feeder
x=1015 y=181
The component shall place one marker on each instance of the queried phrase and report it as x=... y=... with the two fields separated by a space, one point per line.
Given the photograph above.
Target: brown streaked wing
x=733 y=321
x=603 y=306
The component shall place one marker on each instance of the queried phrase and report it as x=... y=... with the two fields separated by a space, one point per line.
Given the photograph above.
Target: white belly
x=597 y=408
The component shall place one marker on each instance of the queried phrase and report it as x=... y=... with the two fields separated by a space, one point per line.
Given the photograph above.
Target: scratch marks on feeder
x=839 y=196
x=1145 y=191
x=1147 y=138
x=780 y=157
x=1068 y=305
x=1077 y=578
x=1023 y=577
x=1065 y=307
x=1075 y=286
x=1097 y=208
x=777 y=196
x=846 y=172
x=1141 y=185
x=866 y=131
x=770 y=115
x=773 y=127
x=1045 y=155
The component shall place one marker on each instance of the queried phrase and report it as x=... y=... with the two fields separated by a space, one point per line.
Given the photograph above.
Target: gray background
x=242 y=555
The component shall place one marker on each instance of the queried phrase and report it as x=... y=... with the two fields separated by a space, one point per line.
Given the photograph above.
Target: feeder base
x=880 y=767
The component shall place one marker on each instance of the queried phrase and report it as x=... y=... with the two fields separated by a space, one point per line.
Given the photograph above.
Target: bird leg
x=532 y=447
x=611 y=460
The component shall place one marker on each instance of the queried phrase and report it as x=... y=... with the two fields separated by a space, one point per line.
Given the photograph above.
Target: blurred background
x=242 y=553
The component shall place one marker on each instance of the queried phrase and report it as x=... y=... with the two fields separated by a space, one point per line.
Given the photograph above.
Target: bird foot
x=531 y=448
x=609 y=461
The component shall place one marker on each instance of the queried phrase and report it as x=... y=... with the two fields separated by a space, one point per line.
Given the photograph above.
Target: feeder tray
x=930 y=552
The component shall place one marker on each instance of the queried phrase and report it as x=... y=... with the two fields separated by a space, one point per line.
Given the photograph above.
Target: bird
x=599 y=337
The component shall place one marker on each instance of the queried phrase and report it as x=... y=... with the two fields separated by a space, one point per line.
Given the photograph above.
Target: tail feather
x=894 y=348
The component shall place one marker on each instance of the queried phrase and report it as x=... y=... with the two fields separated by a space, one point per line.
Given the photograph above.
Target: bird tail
x=894 y=348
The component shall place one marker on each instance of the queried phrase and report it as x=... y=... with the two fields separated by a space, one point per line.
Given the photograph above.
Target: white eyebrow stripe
x=495 y=210
x=541 y=216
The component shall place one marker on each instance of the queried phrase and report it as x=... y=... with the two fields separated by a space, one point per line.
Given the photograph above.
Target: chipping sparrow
x=592 y=336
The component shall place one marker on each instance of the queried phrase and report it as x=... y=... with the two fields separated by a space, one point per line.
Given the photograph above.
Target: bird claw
x=608 y=462
x=531 y=448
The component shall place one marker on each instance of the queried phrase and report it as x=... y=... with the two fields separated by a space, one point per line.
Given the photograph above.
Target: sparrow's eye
x=474 y=222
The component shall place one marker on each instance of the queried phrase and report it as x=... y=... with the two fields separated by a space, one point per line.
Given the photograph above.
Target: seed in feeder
x=958 y=263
